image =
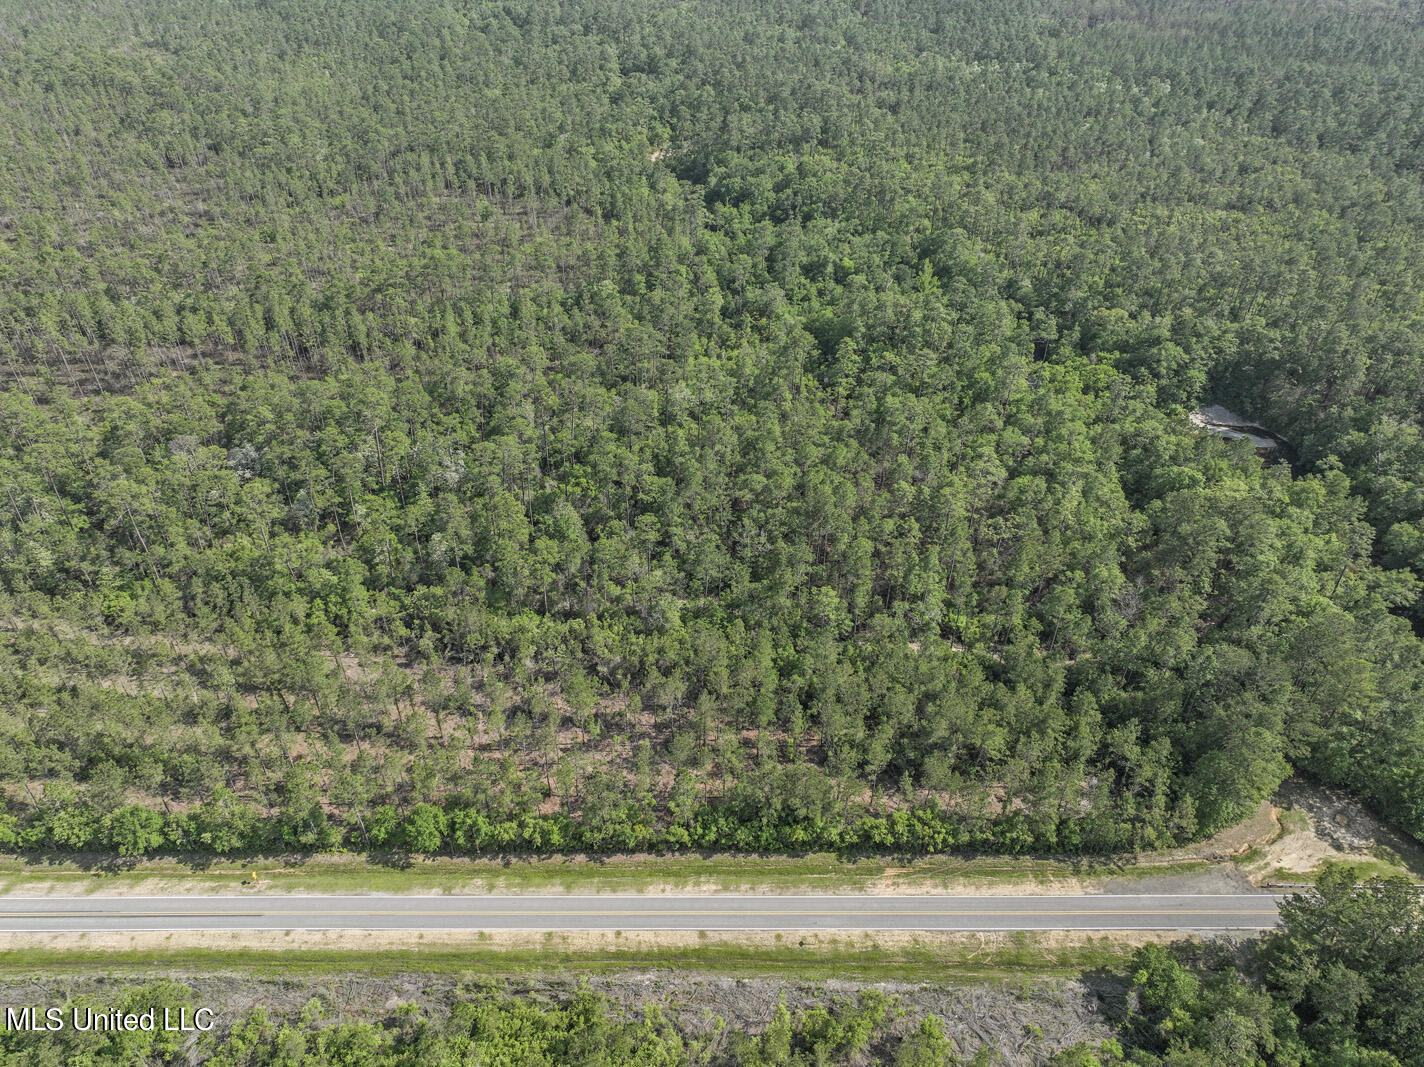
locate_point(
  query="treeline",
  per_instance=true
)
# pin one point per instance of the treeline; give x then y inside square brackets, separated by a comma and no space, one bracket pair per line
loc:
[227,827]
[632,419]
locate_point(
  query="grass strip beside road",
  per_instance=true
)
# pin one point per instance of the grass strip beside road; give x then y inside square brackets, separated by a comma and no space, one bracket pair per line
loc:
[948,958]
[651,874]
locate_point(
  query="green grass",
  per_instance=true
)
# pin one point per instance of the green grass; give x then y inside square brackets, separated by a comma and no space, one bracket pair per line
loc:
[1252,856]
[1293,820]
[1022,957]
[348,874]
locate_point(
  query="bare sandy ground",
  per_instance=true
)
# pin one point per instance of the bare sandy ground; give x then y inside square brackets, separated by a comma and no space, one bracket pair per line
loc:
[1317,825]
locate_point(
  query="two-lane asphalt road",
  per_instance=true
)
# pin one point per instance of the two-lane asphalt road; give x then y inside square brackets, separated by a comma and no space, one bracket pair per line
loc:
[1242,911]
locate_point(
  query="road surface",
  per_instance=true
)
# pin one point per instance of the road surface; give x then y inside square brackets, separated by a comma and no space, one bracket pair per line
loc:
[258,911]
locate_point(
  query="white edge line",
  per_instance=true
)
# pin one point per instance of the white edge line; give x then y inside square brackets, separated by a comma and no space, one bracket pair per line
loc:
[652,929]
[866,897]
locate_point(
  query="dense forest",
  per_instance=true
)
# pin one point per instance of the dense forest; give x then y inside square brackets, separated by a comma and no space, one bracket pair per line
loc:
[609,424]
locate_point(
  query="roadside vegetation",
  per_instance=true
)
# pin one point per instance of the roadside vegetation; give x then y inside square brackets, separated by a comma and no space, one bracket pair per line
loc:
[494,1028]
[959,959]
[1339,984]
[666,874]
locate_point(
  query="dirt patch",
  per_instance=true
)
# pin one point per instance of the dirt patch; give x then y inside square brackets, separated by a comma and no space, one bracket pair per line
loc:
[1320,825]
[1254,832]
[1301,853]
[1343,822]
